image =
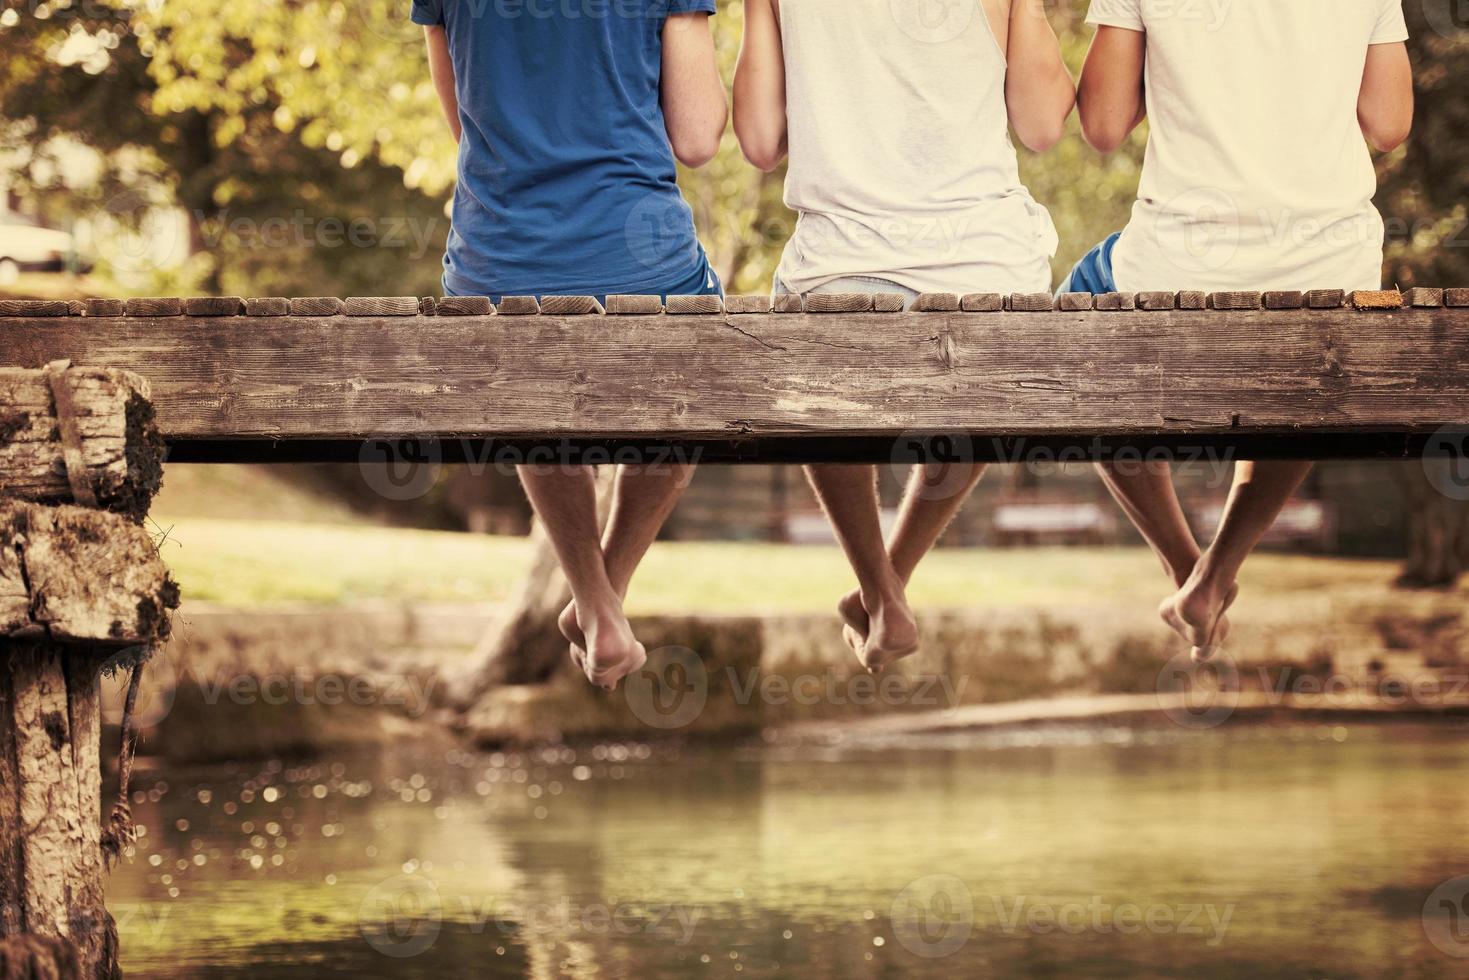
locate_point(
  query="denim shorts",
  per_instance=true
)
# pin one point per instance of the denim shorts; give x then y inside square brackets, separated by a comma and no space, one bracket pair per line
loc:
[853,284]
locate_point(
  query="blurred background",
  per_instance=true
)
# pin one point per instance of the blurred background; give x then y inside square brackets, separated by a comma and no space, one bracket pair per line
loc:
[365,752]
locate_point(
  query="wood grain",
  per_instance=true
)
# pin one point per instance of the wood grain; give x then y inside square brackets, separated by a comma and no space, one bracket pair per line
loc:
[1456,297]
[381,306]
[267,306]
[839,303]
[694,305]
[465,306]
[1283,299]
[746,305]
[1325,299]
[1074,302]
[982,303]
[519,306]
[1193,299]
[1423,297]
[623,305]
[787,303]
[1242,300]
[744,380]
[214,306]
[1154,301]
[1030,302]
[316,306]
[889,302]
[104,307]
[34,307]
[155,306]
[571,306]
[1116,302]
[936,303]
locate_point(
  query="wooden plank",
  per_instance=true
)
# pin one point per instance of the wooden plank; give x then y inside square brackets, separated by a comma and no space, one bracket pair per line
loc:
[1192,299]
[1325,299]
[1030,302]
[1377,299]
[787,303]
[1242,300]
[104,307]
[381,306]
[571,306]
[1424,298]
[34,307]
[889,302]
[428,306]
[1074,302]
[214,306]
[465,306]
[982,302]
[267,306]
[750,380]
[519,306]
[1154,301]
[936,303]
[694,305]
[746,305]
[316,306]
[1283,299]
[1116,302]
[839,303]
[622,305]
[155,306]
[1456,297]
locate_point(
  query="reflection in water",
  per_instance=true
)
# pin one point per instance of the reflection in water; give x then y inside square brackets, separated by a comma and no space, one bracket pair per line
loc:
[1300,850]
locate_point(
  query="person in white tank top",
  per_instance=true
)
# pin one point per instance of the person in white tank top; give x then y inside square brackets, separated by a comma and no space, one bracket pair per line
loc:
[1257,177]
[896,117]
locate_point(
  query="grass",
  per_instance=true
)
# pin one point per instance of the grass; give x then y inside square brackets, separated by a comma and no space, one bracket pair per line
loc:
[252,563]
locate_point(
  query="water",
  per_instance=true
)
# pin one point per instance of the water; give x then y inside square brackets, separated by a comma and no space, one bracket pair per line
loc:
[1265,851]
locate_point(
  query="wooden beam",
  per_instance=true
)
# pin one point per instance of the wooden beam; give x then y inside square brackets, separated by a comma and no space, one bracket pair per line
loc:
[831,385]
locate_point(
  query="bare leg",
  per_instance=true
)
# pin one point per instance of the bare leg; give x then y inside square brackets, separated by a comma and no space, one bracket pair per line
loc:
[565,499]
[849,495]
[643,499]
[934,494]
[1259,493]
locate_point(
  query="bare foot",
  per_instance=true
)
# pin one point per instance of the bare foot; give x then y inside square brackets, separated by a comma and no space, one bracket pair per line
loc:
[854,616]
[605,649]
[892,633]
[1196,612]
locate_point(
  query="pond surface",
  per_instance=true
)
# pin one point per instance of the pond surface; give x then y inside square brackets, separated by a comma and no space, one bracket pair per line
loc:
[1264,851]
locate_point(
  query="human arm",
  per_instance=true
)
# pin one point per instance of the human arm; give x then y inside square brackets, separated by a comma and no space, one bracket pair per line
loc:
[1385,104]
[441,69]
[1110,98]
[760,88]
[1039,91]
[694,105]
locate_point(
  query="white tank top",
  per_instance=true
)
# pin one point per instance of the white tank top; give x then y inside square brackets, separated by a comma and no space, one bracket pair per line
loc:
[901,165]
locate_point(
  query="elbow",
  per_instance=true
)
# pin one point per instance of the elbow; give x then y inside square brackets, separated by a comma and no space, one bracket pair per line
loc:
[1103,138]
[764,148]
[1387,135]
[695,151]
[1039,139]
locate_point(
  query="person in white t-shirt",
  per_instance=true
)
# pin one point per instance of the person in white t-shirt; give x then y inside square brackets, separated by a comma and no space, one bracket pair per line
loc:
[1257,177]
[896,117]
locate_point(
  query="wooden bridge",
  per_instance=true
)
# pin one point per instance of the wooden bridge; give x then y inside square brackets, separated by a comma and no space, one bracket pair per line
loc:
[1313,374]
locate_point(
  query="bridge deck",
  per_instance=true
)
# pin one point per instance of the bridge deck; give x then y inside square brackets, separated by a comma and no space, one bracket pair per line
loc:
[1333,382]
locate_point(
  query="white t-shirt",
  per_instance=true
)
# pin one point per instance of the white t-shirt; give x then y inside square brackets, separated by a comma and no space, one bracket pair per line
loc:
[1257,174]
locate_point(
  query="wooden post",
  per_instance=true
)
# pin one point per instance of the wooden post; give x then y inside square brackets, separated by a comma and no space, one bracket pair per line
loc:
[79,587]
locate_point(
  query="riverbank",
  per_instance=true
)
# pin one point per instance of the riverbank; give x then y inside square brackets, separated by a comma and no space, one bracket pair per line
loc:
[339,635]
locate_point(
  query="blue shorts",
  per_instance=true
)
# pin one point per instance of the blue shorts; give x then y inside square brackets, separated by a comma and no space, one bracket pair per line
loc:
[1093,274]
[703,282]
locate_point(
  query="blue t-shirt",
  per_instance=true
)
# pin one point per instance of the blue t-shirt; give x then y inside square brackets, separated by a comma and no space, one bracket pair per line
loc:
[566,177]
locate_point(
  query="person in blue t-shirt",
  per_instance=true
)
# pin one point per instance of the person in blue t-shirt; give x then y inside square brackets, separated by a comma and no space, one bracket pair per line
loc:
[570,115]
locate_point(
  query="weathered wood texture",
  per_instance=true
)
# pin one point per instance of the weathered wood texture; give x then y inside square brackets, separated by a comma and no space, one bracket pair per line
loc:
[121,448]
[743,380]
[50,814]
[79,576]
